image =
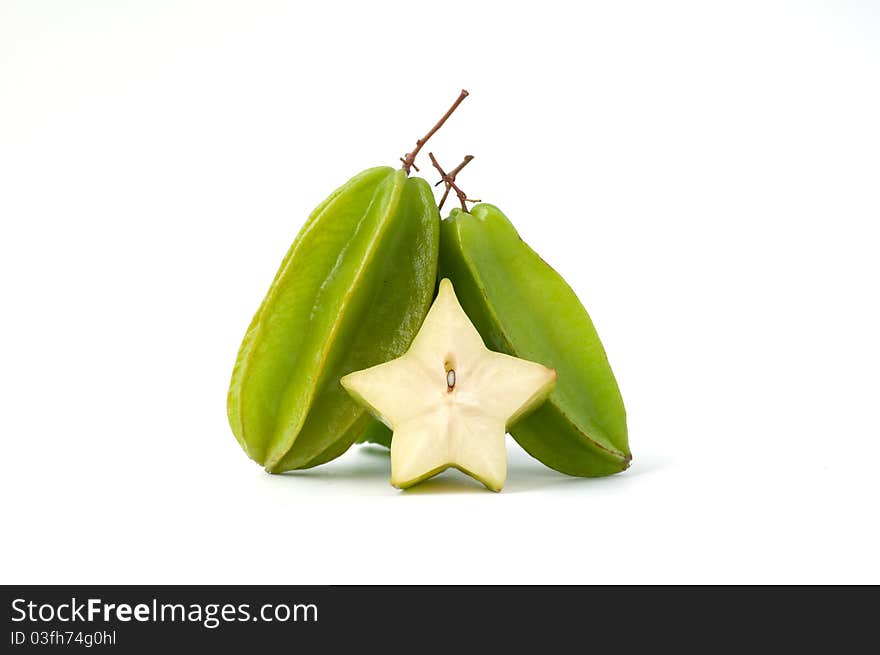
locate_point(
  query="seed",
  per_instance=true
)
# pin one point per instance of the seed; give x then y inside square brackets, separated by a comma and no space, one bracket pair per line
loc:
[450,379]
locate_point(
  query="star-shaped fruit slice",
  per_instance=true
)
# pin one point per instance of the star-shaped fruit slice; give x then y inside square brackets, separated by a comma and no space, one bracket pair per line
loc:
[449,399]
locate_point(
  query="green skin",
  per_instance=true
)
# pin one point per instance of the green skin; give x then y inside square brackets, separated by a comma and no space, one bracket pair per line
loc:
[376,433]
[351,293]
[524,308]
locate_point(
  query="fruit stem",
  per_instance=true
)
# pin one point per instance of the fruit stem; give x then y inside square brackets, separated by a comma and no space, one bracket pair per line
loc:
[449,179]
[410,157]
[455,171]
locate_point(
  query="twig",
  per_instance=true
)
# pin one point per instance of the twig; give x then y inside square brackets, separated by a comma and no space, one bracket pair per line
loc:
[410,157]
[449,179]
[455,171]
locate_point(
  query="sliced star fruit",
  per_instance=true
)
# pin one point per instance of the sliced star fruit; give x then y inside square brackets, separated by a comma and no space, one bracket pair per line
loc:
[449,400]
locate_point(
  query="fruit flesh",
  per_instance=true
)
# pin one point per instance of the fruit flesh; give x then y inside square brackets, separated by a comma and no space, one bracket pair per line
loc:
[449,399]
[521,306]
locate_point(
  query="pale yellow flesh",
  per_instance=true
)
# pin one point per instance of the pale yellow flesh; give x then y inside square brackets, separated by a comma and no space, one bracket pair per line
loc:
[437,427]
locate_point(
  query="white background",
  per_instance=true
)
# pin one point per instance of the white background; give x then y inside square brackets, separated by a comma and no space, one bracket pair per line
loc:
[706,176]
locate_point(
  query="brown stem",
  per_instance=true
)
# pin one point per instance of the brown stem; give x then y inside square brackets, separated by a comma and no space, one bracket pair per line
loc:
[455,171]
[410,157]
[449,179]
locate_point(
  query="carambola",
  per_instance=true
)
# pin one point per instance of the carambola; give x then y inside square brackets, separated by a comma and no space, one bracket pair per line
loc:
[351,293]
[522,307]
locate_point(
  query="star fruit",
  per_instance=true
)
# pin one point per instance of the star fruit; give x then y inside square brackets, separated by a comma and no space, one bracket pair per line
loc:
[450,400]
[581,429]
